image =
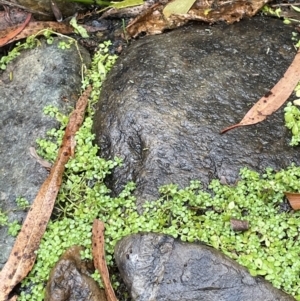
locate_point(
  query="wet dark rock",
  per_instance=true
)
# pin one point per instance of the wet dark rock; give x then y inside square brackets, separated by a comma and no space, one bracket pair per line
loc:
[168,97]
[157,267]
[70,281]
[42,76]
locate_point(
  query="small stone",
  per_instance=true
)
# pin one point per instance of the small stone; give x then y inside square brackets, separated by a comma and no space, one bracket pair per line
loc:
[239,225]
[70,281]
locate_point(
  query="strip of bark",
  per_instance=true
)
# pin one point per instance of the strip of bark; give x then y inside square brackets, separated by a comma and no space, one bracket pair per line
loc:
[23,254]
[98,250]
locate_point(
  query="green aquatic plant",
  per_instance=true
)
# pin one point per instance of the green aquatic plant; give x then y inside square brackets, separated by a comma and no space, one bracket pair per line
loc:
[16,51]
[292,118]
[192,214]
[32,42]
[13,226]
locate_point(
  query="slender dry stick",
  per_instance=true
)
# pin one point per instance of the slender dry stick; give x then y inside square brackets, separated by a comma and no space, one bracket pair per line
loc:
[99,258]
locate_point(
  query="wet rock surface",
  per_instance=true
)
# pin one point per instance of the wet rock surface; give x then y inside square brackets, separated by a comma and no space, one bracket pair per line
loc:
[42,76]
[166,100]
[70,281]
[157,267]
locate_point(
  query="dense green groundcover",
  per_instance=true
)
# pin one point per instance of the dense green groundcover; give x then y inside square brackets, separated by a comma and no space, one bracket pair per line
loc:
[271,246]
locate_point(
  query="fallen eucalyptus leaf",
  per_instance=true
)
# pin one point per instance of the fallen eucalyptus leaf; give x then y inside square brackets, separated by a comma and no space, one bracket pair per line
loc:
[36,28]
[274,99]
[178,7]
[295,8]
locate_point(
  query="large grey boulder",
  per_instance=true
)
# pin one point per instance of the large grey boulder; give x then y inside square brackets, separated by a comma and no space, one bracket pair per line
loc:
[167,98]
[158,267]
[41,76]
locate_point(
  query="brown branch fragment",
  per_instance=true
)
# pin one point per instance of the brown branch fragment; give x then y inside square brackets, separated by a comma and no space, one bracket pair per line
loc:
[56,11]
[99,258]
[23,254]
[239,225]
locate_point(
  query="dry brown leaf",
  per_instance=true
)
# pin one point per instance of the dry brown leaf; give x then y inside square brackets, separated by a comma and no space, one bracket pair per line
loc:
[274,99]
[13,33]
[153,21]
[22,256]
[150,21]
[35,27]
[178,7]
[98,250]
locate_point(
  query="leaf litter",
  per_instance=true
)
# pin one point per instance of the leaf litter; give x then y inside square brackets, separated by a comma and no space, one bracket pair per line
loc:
[171,14]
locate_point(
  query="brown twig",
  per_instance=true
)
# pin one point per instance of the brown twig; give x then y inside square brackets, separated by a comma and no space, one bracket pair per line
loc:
[99,258]
[56,11]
